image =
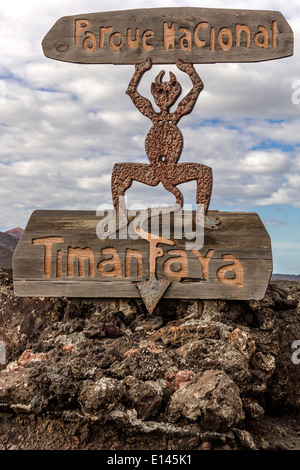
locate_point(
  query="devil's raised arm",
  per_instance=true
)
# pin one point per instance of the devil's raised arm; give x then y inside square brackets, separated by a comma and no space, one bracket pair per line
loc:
[187,104]
[142,104]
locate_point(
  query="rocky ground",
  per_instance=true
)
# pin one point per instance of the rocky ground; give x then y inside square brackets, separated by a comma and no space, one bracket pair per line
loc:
[103,374]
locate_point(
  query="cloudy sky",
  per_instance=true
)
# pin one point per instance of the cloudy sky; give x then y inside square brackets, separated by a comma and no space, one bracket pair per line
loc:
[63,126]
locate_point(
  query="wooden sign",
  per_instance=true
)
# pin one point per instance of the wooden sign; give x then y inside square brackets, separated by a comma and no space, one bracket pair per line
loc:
[60,255]
[197,35]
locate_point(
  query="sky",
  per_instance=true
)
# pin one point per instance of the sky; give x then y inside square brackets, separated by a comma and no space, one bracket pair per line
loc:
[63,126]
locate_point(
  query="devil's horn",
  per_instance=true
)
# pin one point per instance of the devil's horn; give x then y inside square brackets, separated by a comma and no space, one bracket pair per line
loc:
[172,78]
[159,77]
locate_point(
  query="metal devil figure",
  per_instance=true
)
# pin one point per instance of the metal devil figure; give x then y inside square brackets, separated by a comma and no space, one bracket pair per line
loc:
[168,252]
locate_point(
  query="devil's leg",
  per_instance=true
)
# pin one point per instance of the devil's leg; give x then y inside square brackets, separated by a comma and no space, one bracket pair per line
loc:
[204,185]
[169,186]
[120,182]
[124,174]
[122,177]
[184,172]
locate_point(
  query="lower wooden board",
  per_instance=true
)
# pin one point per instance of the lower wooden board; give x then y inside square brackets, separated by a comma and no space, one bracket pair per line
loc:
[60,255]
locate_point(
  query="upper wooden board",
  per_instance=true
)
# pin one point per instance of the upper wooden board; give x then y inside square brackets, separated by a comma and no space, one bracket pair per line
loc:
[197,35]
[60,255]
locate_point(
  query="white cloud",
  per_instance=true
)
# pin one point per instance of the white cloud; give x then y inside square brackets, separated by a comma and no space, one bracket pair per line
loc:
[265,162]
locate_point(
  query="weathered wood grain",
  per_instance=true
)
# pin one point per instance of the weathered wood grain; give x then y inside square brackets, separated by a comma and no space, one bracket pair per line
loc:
[60,255]
[198,35]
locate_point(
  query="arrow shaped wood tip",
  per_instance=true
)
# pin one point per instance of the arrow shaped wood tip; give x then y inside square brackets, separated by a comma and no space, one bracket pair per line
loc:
[152,291]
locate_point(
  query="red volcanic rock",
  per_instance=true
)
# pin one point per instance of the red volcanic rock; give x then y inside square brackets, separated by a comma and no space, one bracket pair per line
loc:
[182,377]
[26,358]
[94,374]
